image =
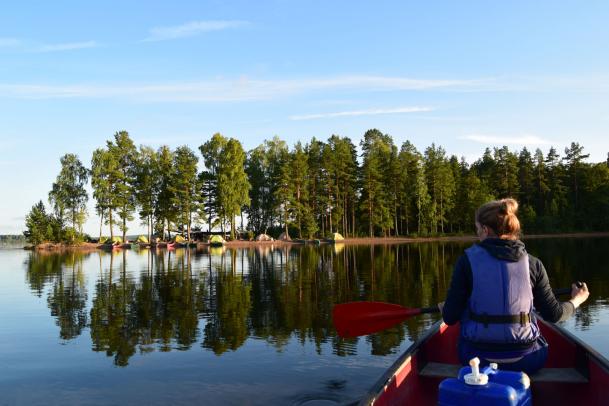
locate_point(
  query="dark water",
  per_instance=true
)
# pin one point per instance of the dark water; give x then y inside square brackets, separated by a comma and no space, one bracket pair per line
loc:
[233,326]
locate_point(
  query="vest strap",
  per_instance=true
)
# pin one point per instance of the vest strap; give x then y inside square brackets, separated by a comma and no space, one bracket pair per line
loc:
[486,319]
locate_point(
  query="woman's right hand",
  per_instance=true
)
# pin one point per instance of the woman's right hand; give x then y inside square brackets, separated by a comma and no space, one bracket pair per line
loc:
[579,294]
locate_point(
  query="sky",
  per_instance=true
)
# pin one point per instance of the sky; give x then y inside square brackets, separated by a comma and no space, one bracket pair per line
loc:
[463,75]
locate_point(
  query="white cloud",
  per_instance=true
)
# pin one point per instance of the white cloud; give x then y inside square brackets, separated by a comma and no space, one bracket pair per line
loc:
[68,46]
[223,90]
[9,42]
[190,29]
[370,112]
[507,139]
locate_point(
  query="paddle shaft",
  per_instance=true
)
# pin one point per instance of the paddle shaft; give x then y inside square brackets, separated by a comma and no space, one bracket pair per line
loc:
[362,318]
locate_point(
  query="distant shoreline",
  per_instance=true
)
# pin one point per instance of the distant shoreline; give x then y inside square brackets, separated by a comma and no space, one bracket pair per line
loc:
[346,241]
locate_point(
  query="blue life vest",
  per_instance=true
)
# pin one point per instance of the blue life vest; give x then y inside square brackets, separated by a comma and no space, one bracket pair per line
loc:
[499,309]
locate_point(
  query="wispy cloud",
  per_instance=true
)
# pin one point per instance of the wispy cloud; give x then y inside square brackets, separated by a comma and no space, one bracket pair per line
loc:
[242,89]
[9,42]
[191,29]
[507,139]
[370,112]
[70,46]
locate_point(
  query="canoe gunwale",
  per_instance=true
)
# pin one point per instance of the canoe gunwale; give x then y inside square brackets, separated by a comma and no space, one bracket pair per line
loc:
[403,360]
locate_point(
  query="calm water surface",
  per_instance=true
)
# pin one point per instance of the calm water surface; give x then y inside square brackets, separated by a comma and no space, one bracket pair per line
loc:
[233,326]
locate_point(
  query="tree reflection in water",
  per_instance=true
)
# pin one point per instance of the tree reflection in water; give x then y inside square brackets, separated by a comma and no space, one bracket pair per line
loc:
[157,300]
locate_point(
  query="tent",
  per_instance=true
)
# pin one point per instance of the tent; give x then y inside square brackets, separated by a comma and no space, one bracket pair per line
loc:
[114,240]
[216,240]
[284,237]
[264,237]
[143,239]
[337,237]
[179,239]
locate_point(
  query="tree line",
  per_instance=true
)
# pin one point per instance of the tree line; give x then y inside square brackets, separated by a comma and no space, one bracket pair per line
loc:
[319,188]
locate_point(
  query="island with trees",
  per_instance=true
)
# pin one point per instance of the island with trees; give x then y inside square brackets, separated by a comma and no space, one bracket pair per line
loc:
[315,190]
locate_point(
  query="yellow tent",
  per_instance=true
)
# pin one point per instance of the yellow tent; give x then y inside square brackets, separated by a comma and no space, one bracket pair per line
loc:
[337,237]
[142,239]
[114,240]
[179,239]
[216,240]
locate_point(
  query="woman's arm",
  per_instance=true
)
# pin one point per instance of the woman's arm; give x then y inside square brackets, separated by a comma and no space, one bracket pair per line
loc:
[543,297]
[459,291]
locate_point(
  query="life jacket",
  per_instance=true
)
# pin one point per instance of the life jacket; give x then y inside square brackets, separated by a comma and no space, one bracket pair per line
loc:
[499,310]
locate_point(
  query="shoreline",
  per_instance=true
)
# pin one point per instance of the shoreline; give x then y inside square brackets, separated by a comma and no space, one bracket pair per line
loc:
[346,241]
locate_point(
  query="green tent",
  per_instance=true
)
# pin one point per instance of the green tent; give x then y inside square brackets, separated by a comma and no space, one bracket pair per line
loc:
[142,239]
[216,240]
[114,240]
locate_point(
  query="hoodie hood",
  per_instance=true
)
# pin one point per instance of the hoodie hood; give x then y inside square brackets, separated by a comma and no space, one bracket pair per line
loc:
[507,250]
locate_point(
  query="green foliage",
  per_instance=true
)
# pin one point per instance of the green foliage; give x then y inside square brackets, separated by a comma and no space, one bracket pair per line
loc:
[123,175]
[68,195]
[39,224]
[320,188]
[184,186]
[376,202]
[208,179]
[233,184]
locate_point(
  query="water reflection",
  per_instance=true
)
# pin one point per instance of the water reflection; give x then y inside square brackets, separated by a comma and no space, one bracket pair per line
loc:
[68,296]
[216,299]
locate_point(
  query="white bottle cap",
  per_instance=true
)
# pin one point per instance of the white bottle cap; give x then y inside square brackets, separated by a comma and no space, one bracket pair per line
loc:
[475,378]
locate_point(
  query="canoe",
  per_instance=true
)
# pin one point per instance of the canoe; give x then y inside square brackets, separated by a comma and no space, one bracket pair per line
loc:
[574,374]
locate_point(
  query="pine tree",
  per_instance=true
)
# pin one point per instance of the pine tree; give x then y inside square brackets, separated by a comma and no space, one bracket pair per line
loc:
[124,153]
[505,173]
[39,225]
[409,159]
[440,184]
[557,196]
[102,165]
[233,185]
[541,186]
[574,157]
[184,185]
[164,211]
[147,185]
[212,154]
[375,207]
[526,197]
[68,195]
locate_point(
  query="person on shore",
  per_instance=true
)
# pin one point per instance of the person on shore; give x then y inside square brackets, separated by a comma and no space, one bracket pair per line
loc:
[495,286]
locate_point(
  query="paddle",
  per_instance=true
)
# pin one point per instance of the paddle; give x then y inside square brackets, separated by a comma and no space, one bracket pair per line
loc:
[361,318]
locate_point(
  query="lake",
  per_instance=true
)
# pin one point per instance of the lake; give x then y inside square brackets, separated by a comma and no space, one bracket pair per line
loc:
[234,326]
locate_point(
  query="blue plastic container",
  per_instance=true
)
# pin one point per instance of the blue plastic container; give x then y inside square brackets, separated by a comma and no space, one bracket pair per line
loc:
[504,388]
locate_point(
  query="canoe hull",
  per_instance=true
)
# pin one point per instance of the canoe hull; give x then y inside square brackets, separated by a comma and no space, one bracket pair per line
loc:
[407,381]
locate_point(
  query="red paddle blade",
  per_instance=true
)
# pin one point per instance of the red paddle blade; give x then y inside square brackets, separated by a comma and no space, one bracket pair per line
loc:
[361,318]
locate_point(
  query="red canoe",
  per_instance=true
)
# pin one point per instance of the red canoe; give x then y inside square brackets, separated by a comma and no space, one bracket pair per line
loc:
[574,374]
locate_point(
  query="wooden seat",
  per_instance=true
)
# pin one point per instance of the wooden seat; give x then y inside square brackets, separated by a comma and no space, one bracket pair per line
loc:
[562,375]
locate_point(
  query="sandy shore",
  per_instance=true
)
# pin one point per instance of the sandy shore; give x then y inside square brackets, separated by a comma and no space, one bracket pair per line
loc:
[346,241]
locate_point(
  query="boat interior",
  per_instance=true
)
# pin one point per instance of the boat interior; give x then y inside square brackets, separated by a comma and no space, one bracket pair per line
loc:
[574,373]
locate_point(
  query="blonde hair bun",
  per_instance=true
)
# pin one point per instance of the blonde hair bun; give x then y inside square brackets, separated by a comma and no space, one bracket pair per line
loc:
[500,216]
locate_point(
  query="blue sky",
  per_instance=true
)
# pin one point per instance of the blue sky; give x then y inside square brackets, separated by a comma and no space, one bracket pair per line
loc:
[464,75]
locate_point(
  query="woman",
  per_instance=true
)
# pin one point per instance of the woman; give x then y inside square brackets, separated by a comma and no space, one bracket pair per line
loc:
[494,289]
